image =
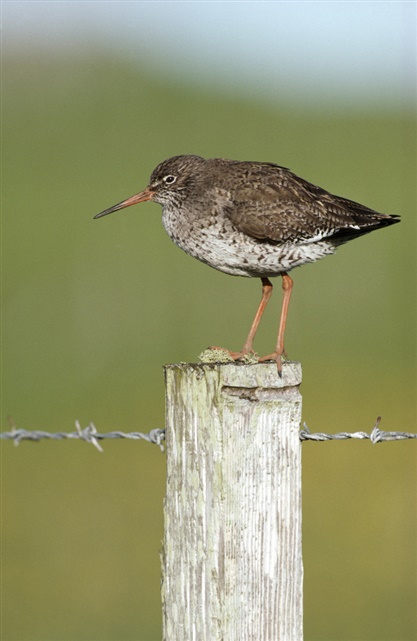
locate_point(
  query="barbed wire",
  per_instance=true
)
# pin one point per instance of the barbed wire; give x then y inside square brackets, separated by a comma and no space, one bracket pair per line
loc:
[88,434]
[376,436]
[157,436]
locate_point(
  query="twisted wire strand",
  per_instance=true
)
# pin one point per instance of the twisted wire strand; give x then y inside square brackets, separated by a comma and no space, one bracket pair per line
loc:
[376,436]
[90,434]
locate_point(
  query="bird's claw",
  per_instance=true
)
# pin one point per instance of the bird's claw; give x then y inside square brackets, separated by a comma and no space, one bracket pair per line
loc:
[245,355]
[277,357]
[249,356]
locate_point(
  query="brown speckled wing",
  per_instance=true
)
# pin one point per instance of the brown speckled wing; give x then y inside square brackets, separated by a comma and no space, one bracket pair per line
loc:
[278,206]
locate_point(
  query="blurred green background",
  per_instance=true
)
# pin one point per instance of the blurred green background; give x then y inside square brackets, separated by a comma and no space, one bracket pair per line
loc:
[93,309]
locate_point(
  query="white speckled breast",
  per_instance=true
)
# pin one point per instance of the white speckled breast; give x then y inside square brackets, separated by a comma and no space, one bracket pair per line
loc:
[219,244]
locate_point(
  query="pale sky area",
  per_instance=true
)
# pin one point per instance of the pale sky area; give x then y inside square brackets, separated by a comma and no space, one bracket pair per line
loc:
[326,50]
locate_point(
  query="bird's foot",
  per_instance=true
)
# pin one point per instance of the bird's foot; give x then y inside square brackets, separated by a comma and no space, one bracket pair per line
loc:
[223,355]
[248,356]
[277,357]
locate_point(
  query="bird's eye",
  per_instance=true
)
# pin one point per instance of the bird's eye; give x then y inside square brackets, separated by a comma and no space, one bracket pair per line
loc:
[169,180]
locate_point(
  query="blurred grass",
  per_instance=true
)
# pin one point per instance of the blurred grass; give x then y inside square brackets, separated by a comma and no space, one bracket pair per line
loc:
[92,310]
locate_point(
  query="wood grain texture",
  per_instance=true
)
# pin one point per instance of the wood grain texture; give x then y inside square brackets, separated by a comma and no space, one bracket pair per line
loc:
[232,562]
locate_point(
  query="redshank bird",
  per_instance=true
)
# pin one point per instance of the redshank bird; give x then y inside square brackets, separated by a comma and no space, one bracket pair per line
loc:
[252,219]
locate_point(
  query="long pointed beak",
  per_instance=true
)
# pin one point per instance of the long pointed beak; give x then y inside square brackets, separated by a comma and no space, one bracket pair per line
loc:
[141,197]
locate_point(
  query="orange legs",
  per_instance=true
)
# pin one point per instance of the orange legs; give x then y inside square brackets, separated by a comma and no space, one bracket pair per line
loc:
[266,295]
[279,349]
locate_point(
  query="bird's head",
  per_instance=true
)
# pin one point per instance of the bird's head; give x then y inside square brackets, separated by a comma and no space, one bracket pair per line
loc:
[169,184]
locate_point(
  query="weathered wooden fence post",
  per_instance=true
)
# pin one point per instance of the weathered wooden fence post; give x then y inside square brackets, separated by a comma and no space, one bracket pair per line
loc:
[232,561]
